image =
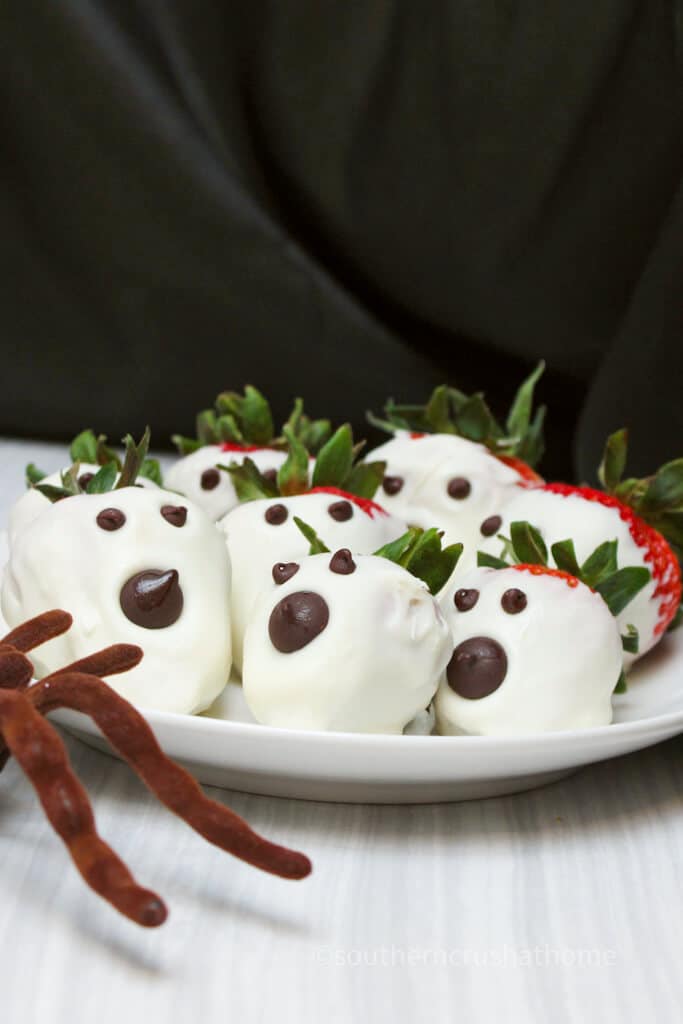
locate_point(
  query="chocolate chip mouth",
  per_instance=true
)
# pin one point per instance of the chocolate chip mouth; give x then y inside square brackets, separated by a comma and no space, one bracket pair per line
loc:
[477,668]
[152,599]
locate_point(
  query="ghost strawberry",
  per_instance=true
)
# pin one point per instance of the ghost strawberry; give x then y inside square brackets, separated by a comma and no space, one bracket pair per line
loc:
[241,426]
[645,517]
[350,643]
[452,464]
[262,530]
[131,565]
[536,649]
[89,454]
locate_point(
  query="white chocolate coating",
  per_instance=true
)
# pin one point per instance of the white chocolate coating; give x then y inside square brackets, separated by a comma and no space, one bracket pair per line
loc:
[185,475]
[588,524]
[426,465]
[32,503]
[255,545]
[373,668]
[563,652]
[63,559]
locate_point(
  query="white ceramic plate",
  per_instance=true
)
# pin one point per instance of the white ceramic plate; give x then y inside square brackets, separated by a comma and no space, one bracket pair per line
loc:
[226,748]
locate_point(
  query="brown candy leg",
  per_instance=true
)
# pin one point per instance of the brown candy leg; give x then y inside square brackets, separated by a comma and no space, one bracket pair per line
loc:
[15,674]
[43,757]
[129,733]
[108,662]
[39,630]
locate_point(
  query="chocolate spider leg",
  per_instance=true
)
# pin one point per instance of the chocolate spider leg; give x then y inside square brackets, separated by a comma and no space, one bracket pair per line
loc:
[39,630]
[129,733]
[108,662]
[15,675]
[41,754]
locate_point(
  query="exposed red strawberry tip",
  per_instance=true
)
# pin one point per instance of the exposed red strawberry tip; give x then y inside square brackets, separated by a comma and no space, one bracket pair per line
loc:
[231,446]
[371,508]
[663,563]
[544,570]
[521,467]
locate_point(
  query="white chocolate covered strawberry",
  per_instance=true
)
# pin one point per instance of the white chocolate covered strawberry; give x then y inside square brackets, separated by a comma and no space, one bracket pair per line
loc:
[629,522]
[241,427]
[260,533]
[131,565]
[90,453]
[535,650]
[450,464]
[342,642]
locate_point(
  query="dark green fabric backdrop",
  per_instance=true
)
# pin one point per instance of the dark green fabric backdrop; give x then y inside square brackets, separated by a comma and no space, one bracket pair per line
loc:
[345,200]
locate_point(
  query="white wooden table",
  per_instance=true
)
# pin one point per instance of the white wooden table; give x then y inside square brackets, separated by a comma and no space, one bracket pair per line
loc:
[562,904]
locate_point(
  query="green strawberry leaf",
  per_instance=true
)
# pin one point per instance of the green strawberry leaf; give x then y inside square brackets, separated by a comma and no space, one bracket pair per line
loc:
[613,462]
[249,483]
[33,475]
[528,545]
[104,454]
[630,640]
[52,492]
[292,476]
[565,558]
[151,470]
[84,447]
[487,561]
[619,589]
[665,490]
[438,411]
[335,459]
[317,547]
[227,431]
[519,417]
[365,478]
[206,427]
[475,421]
[257,419]
[622,685]
[600,565]
[397,550]
[135,456]
[186,445]
[421,554]
[103,480]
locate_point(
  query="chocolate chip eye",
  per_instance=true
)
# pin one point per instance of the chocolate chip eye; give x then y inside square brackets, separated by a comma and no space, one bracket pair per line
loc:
[296,620]
[152,599]
[464,600]
[284,571]
[110,519]
[176,515]
[491,525]
[342,562]
[478,667]
[270,475]
[459,488]
[84,479]
[341,511]
[210,479]
[513,601]
[276,514]
[392,484]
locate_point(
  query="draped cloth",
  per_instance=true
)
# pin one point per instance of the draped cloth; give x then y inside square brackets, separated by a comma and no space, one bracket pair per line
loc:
[344,201]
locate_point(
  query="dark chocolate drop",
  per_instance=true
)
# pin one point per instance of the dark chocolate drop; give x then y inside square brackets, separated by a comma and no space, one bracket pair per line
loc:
[276,514]
[210,479]
[342,562]
[478,667]
[459,488]
[284,571]
[176,515]
[84,479]
[341,511]
[491,525]
[110,519]
[464,600]
[296,620]
[152,598]
[513,601]
[392,484]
